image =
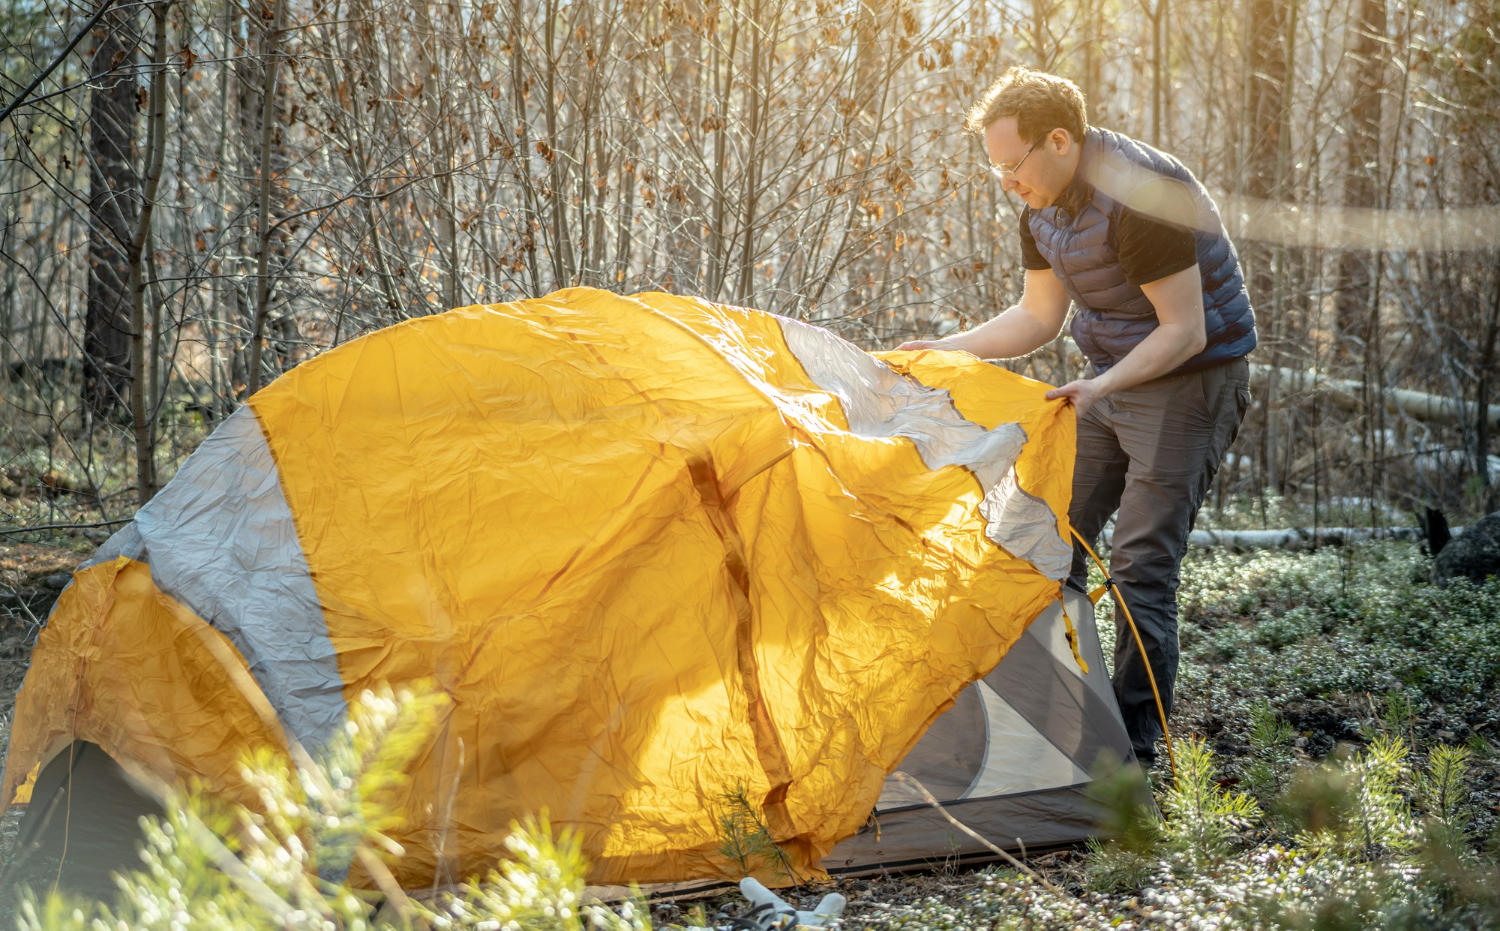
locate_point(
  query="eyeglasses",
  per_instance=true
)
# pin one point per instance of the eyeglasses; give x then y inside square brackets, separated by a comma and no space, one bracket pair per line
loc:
[1006,174]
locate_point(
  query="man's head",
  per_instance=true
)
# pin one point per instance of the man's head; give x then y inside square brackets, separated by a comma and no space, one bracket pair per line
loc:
[1032,125]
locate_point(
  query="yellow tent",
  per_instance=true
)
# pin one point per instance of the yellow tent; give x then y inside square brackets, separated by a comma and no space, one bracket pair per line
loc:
[654,549]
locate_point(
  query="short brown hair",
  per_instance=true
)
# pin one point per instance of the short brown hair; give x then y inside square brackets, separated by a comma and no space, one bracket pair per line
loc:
[1040,102]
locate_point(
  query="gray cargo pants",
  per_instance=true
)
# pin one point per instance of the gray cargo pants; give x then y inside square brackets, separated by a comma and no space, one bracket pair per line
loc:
[1150,453]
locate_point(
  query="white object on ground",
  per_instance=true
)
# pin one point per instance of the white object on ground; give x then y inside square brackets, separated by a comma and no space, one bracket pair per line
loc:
[776,912]
[771,912]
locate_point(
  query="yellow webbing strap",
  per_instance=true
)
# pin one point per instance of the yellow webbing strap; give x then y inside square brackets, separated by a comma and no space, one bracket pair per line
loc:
[1109,583]
[1072,634]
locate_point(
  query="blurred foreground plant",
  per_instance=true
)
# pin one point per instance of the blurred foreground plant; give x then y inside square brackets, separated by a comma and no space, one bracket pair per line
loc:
[284,863]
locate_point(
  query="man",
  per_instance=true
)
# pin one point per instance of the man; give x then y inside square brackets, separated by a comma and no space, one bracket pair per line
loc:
[1128,235]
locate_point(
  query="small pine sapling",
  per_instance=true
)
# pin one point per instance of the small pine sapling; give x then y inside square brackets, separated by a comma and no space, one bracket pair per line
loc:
[1442,791]
[1354,807]
[1385,819]
[1271,756]
[1400,717]
[745,840]
[1203,819]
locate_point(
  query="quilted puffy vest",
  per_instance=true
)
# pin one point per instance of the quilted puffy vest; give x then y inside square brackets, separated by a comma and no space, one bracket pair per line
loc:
[1076,236]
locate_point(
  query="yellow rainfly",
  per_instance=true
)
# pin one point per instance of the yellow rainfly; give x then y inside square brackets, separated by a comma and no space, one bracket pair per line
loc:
[640,543]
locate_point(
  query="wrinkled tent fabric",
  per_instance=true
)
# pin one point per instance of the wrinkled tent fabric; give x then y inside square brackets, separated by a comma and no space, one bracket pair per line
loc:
[1013,759]
[655,549]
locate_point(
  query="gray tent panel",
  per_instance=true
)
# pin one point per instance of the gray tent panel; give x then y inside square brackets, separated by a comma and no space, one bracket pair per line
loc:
[1059,703]
[1018,758]
[220,539]
[85,806]
[1053,637]
[921,838]
[1012,758]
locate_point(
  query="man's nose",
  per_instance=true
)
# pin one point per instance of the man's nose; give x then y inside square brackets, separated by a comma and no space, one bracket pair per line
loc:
[1007,184]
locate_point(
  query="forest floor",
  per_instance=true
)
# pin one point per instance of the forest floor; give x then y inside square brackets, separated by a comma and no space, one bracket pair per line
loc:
[1347,706]
[1296,667]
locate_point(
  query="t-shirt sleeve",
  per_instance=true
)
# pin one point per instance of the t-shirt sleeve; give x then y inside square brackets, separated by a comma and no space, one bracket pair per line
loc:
[1031,256]
[1152,234]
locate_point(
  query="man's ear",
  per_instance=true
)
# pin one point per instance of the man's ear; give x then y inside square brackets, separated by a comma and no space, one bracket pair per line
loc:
[1063,141]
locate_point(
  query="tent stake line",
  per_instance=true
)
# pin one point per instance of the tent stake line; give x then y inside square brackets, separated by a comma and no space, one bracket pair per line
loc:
[938,807]
[1109,583]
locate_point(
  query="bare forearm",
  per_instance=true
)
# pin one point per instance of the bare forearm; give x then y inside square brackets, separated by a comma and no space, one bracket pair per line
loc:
[1164,349]
[1021,329]
[1016,332]
[1178,299]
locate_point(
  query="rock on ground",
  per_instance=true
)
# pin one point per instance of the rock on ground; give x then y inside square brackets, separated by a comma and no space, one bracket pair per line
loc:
[1474,554]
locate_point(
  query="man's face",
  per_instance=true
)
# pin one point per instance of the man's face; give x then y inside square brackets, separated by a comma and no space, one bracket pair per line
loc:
[1039,177]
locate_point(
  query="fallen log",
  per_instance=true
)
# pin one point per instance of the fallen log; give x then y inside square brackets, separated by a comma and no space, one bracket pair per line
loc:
[1346,393]
[1294,538]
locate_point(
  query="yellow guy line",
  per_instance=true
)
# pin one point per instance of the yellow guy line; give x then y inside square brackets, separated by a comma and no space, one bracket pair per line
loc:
[1109,583]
